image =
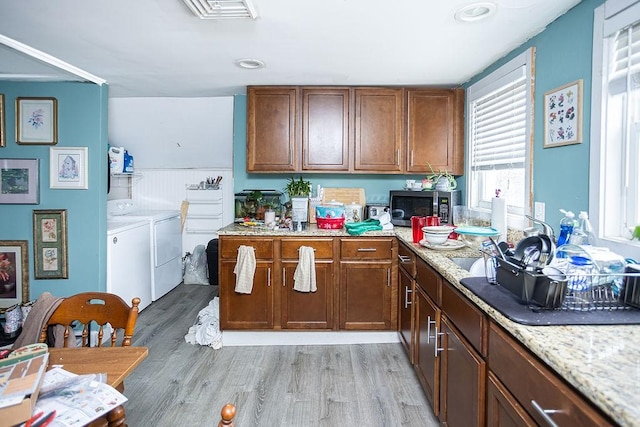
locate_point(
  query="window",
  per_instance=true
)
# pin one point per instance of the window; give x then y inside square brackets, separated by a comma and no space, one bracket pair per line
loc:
[615,131]
[499,110]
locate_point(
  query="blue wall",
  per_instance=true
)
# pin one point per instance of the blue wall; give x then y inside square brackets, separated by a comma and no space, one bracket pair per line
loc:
[82,122]
[563,55]
[560,174]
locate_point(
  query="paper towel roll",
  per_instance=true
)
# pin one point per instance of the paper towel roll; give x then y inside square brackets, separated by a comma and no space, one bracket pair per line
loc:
[499,216]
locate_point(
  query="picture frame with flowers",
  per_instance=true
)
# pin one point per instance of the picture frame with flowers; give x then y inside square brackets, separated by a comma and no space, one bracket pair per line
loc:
[37,121]
[50,244]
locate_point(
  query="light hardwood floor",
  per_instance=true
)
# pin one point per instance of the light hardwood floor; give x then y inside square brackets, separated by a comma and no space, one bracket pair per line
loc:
[180,384]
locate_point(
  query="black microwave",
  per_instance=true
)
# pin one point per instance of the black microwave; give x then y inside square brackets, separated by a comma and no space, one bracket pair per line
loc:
[405,204]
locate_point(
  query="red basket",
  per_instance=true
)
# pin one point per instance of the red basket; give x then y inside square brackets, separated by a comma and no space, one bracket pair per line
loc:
[330,223]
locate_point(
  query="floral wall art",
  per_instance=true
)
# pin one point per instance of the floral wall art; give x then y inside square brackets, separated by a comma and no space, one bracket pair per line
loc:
[563,115]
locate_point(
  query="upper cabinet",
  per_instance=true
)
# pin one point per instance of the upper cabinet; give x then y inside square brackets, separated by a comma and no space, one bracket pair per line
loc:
[435,130]
[354,129]
[272,129]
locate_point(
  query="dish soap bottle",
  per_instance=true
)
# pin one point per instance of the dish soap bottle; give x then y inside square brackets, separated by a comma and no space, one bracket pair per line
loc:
[566,227]
[583,235]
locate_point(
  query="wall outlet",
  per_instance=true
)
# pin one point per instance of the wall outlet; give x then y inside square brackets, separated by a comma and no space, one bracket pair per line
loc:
[538,211]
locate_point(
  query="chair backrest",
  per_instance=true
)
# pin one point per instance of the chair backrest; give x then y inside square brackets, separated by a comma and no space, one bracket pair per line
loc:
[98,307]
[227,414]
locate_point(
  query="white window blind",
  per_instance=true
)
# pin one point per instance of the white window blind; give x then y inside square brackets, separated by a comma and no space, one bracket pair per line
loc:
[499,128]
[624,73]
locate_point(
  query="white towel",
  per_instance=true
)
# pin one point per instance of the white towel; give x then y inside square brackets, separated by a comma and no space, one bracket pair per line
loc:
[305,274]
[245,269]
[206,330]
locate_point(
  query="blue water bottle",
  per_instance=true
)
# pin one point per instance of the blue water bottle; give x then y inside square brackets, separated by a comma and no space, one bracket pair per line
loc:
[566,227]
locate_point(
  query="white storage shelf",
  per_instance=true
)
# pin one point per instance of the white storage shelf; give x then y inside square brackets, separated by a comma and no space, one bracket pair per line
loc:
[204,217]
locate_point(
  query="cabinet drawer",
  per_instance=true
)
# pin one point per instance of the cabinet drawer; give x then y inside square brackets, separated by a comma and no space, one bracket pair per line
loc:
[205,209]
[407,259]
[530,381]
[467,318]
[428,280]
[204,195]
[366,248]
[322,249]
[229,247]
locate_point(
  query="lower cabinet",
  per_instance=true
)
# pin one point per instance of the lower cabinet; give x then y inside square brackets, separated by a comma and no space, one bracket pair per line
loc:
[503,410]
[405,310]
[426,362]
[246,311]
[307,310]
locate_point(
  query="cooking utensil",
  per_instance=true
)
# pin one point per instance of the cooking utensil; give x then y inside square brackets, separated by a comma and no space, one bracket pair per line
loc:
[498,248]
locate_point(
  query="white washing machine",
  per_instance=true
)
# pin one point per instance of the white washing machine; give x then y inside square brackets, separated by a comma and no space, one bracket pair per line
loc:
[165,261]
[128,253]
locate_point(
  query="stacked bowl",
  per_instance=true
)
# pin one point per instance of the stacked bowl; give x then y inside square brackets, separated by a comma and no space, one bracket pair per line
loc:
[436,234]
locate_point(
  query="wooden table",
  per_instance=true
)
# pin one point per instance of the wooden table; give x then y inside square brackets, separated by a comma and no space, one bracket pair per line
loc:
[117,362]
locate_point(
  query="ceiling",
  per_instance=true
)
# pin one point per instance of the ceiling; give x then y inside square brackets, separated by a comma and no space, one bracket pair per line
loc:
[159,48]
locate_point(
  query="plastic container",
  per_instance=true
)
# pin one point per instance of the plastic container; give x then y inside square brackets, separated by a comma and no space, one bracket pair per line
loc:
[566,227]
[330,223]
[580,271]
[583,234]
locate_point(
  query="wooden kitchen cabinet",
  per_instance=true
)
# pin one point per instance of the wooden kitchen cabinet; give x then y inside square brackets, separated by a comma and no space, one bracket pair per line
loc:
[246,311]
[425,361]
[462,379]
[406,290]
[503,410]
[273,129]
[308,310]
[379,130]
[326,129]
[368,284]
[535,387]
[435,130]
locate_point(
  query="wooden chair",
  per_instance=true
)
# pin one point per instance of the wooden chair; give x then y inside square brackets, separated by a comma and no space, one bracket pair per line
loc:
[98,307]
[228,413]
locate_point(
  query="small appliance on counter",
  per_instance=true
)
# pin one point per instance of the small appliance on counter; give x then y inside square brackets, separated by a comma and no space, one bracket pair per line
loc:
[374,211]
[405,204]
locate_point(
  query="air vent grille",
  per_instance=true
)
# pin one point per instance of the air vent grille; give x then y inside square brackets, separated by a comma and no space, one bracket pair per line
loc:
[222,9]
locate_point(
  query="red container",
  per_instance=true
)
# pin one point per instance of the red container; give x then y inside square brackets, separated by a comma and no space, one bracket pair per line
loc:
[330,223]
[417,222]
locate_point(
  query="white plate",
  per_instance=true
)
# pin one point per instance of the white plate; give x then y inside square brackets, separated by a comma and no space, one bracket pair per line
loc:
[477,268]
[449,245]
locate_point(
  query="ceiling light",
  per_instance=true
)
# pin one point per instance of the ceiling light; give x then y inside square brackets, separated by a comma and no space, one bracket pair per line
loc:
[250,64]
[222,9]
[475,11]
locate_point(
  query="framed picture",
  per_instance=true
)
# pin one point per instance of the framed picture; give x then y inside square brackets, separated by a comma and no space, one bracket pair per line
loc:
[37,121]
[14,272]
[2,131]
[50,244]
[68,168]
[563,115]
[19,182]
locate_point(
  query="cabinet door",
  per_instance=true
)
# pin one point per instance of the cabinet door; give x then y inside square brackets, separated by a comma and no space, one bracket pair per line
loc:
[463,374]
[325,129]
[503,410]
[426,363]
[272,129]
[365,296]
[404,311]
[307,310]
[435,134]
[379,128]
[246,311]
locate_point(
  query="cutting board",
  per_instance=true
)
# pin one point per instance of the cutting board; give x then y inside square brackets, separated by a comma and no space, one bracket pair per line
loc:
[345,195]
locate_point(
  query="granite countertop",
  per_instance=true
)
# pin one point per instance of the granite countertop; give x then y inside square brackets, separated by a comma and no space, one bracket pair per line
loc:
[602,362]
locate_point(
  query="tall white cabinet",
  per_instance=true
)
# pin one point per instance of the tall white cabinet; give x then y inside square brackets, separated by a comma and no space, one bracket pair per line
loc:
[204,217]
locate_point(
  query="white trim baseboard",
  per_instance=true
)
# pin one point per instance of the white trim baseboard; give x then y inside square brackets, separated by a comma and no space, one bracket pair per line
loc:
[259,338]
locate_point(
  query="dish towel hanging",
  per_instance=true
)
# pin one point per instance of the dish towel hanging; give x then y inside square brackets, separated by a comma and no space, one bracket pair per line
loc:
[245,269]
[305,275]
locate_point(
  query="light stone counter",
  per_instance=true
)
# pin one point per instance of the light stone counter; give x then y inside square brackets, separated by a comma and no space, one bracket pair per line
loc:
[602,362]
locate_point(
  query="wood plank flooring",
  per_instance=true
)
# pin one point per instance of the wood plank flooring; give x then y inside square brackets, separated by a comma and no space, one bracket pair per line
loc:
[180,384]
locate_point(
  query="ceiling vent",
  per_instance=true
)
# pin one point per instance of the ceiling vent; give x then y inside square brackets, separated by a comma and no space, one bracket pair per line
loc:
[222,9]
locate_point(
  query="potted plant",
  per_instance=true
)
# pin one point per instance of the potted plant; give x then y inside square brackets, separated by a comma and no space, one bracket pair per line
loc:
[441,180]
[299,191]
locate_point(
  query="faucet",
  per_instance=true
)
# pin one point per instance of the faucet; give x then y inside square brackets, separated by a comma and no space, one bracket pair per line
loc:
[547,229]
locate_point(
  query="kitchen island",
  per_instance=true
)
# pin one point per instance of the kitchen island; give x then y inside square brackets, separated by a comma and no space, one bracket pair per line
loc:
[601,362]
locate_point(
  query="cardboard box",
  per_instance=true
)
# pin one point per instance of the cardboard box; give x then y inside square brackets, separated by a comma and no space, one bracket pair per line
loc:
[22,409]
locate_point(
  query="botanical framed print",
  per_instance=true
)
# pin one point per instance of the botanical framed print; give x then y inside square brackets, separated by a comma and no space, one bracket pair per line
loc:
[68,168]
[563,115]
[37,121]
[50,244]
[19,183]
[14,272]
[2,131]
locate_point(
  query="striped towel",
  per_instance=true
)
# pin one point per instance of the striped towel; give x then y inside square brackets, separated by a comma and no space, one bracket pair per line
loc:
[305,274]
[245,269]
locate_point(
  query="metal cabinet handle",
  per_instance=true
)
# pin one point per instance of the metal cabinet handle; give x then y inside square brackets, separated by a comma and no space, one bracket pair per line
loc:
[403,259]
[544,413]
[411,163]
[429,322]
[407,291]
[269,277]
[388,277]
[284,278]
[436,349]
[366,249]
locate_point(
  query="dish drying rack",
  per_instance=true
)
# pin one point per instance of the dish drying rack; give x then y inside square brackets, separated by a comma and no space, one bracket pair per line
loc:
[577,292]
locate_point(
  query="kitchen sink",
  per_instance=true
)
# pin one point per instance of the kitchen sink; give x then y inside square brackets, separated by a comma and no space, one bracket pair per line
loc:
[464,262]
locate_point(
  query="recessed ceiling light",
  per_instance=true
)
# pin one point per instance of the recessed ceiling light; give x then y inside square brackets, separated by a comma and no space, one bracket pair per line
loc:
[475,11]
[250,64]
